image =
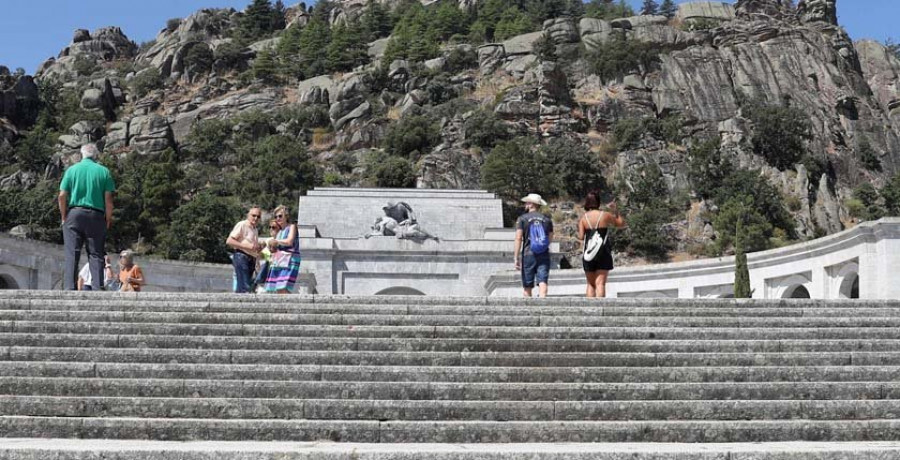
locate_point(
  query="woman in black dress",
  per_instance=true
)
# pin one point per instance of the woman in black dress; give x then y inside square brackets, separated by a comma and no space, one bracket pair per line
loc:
[594,220]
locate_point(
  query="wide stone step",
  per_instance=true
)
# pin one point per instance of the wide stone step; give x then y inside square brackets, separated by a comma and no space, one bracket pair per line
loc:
[447,391]
[412,309]
[454,332]
[441,344]
[449,373]
[429,358]
[428,410]
[446,320]
[78,449]
[448,431]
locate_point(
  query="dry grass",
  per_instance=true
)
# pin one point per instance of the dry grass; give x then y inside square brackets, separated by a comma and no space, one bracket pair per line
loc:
[322,139]
[488,88]
[393,113]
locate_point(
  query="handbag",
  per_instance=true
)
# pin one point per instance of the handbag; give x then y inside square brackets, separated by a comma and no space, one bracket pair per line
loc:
[281,259]
[593,244]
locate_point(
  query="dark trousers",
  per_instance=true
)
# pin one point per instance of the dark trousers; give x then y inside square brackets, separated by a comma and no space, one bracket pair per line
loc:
[243,271]
[84,227]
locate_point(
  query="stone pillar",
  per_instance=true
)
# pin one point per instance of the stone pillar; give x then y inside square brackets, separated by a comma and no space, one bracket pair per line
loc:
[818,287]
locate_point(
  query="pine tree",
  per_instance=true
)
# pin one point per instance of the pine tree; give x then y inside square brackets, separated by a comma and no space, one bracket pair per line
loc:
[650,7]
[256,22]
[741,270]
[279,19]
[668,9]
[347,48]
[264,67]
[313,47]
[376,21]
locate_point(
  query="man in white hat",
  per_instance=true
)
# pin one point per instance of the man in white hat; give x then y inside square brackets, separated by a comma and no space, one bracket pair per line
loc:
[534,232]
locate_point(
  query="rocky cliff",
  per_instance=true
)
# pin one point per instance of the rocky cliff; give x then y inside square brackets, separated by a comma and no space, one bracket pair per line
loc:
[708,61]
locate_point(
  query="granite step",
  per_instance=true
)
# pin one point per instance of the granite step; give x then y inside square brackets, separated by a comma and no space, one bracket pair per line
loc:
[136,306]
[447,320]
[430,410]
[369,431]
[449,374]
[78,449]
[436,358]
[441,344]
[454,332]
[448,391]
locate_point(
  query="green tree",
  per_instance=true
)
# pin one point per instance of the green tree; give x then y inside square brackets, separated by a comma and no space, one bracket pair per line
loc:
[199,59]
[649,209]
[35,208]
[620,56]
[230,56]
[512,23]
[279,167]
[577,169]
[707,168]
[391,172]
[197,229]
[607,9]
[780,133]
[34,150]
[208,140]
[484,129]
[650,7]
[741,269]
[376,21]
[347,49]
[313,48]
[146,81]
[257,21]
[755,228]
[668,8]
[868,157]
[891,194]
[515,168]
[264,67]
[448,20]
[869,197]
[413,38]
[412,136]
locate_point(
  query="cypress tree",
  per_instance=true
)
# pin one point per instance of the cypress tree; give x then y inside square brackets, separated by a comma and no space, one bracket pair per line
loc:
[741,270]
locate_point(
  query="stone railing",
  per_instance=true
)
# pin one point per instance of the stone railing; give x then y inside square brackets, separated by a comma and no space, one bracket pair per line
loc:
[856,262]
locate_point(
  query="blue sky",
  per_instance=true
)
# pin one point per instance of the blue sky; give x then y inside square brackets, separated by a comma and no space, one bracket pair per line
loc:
[33,30]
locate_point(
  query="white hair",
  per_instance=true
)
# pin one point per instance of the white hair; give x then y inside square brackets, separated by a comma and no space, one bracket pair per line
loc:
[89,151]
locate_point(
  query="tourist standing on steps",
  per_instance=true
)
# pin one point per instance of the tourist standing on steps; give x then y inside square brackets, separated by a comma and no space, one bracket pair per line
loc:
[534,232]
[244,239]
[86,207]
[130,275]
[597,250]
[285,264]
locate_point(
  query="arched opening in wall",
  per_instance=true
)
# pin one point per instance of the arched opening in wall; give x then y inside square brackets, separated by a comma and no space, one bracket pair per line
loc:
[400,291]
[797,292]
[849,287]
[7,282]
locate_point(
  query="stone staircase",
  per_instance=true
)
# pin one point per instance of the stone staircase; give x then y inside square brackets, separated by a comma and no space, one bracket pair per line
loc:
[414,377]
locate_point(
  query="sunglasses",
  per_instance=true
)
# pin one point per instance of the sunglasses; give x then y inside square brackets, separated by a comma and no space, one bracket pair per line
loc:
[273,227]
[279,216]
[256,215]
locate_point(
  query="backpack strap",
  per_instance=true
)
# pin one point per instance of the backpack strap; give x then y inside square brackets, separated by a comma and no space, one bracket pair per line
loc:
[593,227]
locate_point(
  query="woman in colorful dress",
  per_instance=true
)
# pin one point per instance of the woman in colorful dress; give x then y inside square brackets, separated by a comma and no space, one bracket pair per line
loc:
[285,265]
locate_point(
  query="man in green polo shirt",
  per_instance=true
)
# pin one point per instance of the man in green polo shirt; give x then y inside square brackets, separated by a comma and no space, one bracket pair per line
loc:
[86,206]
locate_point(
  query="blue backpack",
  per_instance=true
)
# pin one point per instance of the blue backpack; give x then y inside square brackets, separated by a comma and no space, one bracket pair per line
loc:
[537,236]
